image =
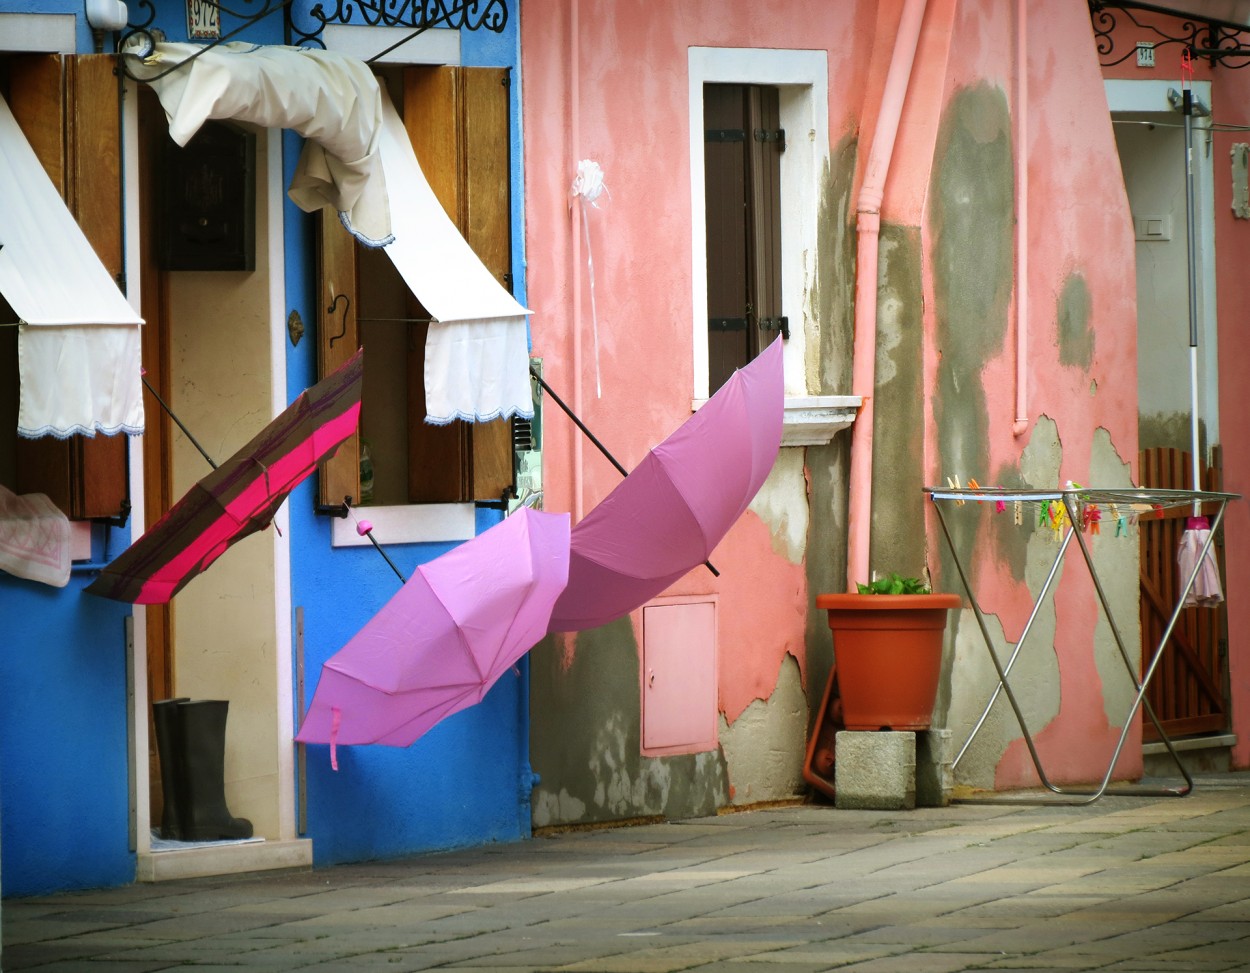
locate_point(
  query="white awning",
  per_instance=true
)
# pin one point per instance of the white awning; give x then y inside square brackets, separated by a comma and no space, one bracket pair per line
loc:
[78,338]
[330,99]
[477,349]
[360,161]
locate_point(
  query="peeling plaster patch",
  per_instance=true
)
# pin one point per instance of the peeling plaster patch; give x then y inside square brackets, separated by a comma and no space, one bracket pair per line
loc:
[898,531]
[831,296]
[891,314]
[1041,459]
[1076,334]
[971,679]
[552,808]
[782,505]
[971,214]
[1166,429]
[764,748]
[585,737]
[1119,566]
[825,567]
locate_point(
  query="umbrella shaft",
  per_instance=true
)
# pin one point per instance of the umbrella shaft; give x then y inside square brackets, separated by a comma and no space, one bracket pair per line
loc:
[186,432]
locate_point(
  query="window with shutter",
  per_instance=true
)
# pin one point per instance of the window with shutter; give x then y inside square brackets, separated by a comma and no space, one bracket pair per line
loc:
[457,120]
[69,110]
[743,142]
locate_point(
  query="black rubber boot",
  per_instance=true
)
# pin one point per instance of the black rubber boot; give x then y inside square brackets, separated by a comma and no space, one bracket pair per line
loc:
[205,816]
[168,751]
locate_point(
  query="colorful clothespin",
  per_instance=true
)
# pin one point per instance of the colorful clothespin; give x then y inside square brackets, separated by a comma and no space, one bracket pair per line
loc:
[1091,516]
[953,483]
[974,485]
[1000,505]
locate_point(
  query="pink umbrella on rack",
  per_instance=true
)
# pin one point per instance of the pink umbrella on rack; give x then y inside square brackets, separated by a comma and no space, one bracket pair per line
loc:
[457,624]
[666,517]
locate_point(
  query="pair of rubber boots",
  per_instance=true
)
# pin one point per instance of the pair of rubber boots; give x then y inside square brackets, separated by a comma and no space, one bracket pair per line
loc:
[191,744]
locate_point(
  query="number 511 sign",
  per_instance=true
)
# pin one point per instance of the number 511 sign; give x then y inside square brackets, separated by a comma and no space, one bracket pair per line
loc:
[203,19]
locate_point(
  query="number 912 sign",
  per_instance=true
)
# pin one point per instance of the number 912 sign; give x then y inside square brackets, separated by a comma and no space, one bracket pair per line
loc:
[203,20]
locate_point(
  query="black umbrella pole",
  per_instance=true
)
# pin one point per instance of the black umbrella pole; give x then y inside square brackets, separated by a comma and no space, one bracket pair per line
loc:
[594,439]
[170,412]
[578,422]
[373,540]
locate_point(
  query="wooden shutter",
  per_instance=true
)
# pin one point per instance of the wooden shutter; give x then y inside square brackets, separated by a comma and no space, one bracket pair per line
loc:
[742,191]
[457,120]
[338,337]
[69,110]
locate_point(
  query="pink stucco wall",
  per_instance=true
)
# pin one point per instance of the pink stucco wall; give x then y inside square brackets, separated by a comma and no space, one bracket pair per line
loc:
[616,92]
[608,82]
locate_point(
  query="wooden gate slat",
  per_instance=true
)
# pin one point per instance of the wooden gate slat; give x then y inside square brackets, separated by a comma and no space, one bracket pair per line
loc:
[1187,692]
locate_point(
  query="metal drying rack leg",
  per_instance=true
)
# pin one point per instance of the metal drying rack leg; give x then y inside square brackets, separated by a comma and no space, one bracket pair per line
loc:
[1067,796]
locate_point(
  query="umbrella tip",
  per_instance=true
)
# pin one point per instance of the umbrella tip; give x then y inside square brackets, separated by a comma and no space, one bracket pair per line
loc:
[363,527]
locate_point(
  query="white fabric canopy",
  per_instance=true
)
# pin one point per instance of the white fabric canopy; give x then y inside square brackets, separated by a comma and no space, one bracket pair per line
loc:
[78,341]
[331,99]
[360,161]
[477,349]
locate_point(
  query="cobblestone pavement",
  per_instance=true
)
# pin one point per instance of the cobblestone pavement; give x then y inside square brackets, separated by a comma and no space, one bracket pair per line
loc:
[1126,884]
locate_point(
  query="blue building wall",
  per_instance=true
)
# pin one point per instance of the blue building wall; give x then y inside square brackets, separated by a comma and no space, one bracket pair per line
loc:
[64,774]
[468,780]
[64,765]
[64,782]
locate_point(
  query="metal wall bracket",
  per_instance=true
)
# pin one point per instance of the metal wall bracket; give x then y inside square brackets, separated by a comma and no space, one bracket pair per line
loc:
[1222,42]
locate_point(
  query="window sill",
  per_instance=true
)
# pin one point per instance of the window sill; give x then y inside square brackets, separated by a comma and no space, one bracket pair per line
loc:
[813,420]
[408,524]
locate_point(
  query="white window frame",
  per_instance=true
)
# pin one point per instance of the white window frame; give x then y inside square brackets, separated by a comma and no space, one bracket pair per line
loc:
[802,78]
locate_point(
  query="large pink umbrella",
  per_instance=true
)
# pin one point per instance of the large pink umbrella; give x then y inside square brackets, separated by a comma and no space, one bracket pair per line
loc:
[460,621]
[666,517]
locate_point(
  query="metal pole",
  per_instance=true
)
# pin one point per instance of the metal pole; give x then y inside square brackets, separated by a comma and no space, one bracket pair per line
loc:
[591,436]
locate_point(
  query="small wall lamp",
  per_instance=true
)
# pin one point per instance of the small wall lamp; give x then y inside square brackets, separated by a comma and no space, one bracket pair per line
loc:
[104,16]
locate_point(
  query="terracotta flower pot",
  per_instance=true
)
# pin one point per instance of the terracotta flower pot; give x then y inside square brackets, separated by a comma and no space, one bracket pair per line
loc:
[887,650]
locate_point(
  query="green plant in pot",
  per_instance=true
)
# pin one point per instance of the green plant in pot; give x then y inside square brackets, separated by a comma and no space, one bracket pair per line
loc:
[887,651]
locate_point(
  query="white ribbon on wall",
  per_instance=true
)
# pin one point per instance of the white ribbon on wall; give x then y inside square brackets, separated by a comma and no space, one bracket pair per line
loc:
[587,188]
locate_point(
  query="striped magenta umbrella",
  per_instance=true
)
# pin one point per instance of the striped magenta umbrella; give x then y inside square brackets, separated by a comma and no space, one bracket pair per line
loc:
[240,496]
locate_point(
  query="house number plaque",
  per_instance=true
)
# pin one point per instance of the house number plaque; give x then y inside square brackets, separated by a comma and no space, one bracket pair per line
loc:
[203,20]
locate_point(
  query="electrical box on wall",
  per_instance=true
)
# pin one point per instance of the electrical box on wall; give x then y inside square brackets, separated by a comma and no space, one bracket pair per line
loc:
[208,201]
[679,676]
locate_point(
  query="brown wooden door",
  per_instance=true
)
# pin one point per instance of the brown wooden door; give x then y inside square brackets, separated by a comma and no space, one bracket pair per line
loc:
[1188,690]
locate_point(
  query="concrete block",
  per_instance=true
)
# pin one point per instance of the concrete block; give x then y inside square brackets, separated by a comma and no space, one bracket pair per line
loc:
[875,770]
[935,780]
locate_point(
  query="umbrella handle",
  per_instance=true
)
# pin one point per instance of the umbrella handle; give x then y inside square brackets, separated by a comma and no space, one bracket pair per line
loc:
[365,529]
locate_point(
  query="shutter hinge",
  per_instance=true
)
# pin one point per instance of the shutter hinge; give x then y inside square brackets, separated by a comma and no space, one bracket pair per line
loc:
[781,324]
[777,135]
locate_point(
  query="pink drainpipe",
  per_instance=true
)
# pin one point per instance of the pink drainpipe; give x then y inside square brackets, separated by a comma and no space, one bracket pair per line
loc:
[1021,425]
[868,224]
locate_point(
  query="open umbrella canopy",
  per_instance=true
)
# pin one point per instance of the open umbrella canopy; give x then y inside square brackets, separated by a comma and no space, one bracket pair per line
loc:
[666,517]
[241,496]
[460,621]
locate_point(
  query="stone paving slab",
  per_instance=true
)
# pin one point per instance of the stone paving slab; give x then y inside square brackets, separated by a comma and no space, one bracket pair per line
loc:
[1131,885]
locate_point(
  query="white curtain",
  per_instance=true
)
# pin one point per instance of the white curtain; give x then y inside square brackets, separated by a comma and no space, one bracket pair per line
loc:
[477,349]
[78,340]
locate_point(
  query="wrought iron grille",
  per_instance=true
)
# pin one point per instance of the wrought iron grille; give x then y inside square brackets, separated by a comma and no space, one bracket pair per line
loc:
[1218,41]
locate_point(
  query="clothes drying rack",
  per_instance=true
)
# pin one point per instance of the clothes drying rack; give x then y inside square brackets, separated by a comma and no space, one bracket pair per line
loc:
[1071,511]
